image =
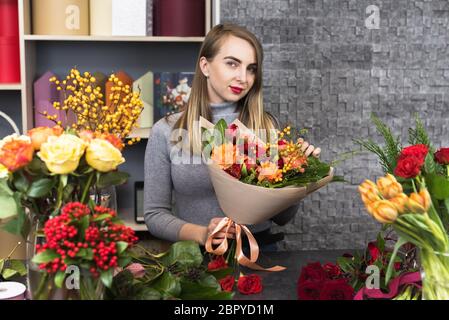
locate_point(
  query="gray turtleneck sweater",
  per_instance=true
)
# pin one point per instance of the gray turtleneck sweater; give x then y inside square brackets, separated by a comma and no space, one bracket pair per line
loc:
[178,193]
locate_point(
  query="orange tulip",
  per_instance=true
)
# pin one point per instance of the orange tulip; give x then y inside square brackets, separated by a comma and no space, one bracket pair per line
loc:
[39,135]
[419,202]
[384,211]
[400,202]
[388,186]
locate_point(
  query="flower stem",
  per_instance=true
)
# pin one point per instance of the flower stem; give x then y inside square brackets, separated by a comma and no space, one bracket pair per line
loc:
[87,187]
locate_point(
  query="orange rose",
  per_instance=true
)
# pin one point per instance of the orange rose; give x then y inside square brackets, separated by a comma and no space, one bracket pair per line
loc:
[113,139]
[86,135]
[40,135]
[16,152]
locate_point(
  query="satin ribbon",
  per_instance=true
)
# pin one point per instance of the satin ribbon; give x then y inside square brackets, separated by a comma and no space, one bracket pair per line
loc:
[240,256]
[408,278]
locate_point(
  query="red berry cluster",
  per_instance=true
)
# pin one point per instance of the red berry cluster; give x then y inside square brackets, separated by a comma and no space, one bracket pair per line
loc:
[64,237]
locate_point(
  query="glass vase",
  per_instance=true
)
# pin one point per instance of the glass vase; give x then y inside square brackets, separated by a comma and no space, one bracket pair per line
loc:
[434,275]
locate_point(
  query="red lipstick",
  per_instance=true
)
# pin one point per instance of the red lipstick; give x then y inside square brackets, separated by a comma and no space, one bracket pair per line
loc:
[236,90]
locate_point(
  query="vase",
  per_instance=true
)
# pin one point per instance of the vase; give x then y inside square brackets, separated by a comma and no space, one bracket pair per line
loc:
[434,275]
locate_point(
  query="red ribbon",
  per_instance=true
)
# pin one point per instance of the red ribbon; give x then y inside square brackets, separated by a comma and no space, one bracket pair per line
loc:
[412,278]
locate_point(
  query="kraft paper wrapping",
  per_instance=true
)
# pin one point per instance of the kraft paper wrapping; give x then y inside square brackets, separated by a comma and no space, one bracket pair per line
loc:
[249,204]
[7,243]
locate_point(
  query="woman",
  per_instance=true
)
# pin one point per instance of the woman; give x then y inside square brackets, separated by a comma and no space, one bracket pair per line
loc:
[227,84]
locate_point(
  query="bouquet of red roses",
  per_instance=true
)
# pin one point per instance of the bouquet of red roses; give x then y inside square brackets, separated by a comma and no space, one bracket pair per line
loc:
[95,242]
[328,282]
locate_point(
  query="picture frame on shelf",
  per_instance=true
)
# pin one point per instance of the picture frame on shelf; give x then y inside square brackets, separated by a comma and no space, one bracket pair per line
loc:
[138,202]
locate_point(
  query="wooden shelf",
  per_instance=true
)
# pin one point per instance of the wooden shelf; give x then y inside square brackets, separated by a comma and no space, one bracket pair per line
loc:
[111,38]
[10,86]
[142,133]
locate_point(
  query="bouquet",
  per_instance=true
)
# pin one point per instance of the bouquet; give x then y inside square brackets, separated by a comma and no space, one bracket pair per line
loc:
[413,198]
[50,166]
[91,242]
[254,180]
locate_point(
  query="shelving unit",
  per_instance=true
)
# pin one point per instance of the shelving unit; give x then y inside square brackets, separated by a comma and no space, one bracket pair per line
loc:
[39,53]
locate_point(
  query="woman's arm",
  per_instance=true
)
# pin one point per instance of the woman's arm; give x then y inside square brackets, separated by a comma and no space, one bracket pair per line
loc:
[158,186]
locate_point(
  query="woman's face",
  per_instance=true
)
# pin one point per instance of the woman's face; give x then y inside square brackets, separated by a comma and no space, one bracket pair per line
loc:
[232,71]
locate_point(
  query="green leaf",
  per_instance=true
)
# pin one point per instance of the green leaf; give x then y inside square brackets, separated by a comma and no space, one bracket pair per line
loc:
[207,288]
[8,205]
[112,179]
[221,127]
[168,285]
[85,253]
[244,171]
[123,261]
[121,246]
[84,224]
[4,188]
[183,253]
[345,264]
[59,278]
[380,242]
[9,273]
[106,278]
[148,294]
[19,266]
[221,273]
[438,186]
[429,164]
[40,188]
[20,224]
[2,263]
[102,217]
[20,181]
[45,256]
[64,178]
[401,241]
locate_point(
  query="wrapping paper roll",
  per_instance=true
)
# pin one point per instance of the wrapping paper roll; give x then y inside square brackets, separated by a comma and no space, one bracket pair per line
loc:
[10,290]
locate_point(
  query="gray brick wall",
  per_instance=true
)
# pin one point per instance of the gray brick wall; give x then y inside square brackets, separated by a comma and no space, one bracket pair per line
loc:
[324,69]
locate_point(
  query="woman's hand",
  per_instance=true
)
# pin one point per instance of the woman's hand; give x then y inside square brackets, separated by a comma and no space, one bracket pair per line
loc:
[219,237]
[309,149]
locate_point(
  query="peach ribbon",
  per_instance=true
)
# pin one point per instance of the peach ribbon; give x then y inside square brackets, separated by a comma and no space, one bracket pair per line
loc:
[241,258]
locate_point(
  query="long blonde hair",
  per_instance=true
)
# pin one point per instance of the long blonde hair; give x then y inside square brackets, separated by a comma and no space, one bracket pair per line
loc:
[250,106]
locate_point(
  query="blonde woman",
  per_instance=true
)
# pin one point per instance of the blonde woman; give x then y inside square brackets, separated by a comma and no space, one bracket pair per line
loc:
[179,199]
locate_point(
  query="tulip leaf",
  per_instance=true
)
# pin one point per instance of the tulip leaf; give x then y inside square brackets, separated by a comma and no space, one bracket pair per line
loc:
[401,241]
[438,186]
[112,179]
[40,188]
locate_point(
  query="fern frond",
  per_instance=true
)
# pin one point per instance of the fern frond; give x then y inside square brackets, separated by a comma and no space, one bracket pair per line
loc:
[393,145]
[376,149]
[419,135]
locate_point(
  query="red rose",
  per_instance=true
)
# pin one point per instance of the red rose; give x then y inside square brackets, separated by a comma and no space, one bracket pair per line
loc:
[332,270]
[249,284]
[309,290]
[227,283]
[419,151]
[337,290]
[312,272]
[373,251]
[217,263]
[442,156]
[408,167]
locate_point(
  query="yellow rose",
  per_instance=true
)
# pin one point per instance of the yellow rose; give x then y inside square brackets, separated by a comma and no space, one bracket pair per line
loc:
[62,154]
[103,156]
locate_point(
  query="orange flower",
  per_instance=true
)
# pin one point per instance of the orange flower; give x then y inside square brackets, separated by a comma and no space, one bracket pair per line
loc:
[113,139]
[400,202]
[369,192]
[40,135]
[86,135]
[384,211]
[16,152]
[389,187]
[224,155]
[269,171]
[419,202]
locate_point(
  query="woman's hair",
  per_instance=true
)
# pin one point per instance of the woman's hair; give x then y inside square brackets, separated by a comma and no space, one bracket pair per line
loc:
[250,106]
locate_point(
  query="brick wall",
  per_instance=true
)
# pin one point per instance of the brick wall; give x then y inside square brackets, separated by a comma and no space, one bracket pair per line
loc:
[327,66]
